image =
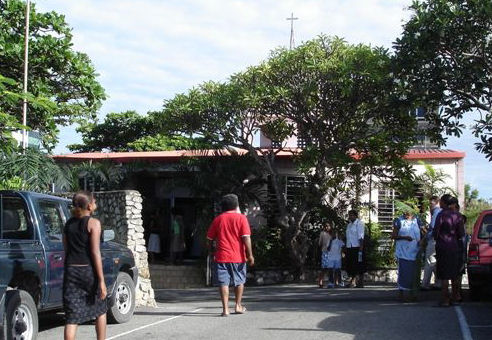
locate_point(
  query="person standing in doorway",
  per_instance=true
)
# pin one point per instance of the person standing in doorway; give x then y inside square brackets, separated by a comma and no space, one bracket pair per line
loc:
[177,236]
[430,249]
[232,236]
[355,249]
[154,245]
[84,289]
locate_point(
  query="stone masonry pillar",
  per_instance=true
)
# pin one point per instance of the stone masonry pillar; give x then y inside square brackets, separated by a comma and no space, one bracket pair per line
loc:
[122,212]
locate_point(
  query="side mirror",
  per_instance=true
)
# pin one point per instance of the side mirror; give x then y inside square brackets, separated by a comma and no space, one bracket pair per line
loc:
[108,235]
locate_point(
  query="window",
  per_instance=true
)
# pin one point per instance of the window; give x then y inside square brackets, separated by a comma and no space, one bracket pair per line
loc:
[15,223]
[52,219]
[420,113]
[276,144]
[302,142]
[482,232]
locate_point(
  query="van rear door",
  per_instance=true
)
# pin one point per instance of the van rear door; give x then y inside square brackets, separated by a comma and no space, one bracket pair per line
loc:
[484,238]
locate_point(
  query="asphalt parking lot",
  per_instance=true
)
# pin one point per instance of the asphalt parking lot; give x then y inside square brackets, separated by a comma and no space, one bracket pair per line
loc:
[295,312]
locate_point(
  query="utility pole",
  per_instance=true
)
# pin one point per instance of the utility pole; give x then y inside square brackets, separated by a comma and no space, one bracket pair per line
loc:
[292,30]
[26,57]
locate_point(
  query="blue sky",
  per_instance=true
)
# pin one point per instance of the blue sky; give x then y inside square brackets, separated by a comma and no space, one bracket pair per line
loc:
[148,50]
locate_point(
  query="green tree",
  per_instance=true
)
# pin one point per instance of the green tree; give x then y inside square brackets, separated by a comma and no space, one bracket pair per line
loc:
[162,142]
[130,131]
[340,98]
[432,183]
[474,205]
[32,170]
[471,195]
[114,133]
[444,56]
[8,123]
[56,70]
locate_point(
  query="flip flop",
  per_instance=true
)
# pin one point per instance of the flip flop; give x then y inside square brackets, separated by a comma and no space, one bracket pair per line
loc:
[241,311]
[224,314]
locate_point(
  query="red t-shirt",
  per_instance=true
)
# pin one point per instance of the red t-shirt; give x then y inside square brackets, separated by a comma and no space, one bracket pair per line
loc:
[227,230]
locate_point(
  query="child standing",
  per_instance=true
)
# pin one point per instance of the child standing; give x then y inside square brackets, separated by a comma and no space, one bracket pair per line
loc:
[335,260]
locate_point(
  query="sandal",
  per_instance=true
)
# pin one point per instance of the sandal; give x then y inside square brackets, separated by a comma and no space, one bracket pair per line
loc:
[242,311]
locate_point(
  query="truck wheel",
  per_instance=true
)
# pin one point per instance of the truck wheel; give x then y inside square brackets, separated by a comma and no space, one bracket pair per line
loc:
[122,302]
[21,316]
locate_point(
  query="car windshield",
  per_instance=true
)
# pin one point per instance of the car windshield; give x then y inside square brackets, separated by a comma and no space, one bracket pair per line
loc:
[486,222]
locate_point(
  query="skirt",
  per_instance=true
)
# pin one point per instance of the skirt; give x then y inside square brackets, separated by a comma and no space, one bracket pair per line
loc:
[406,274]
[448,264]
[354,267]
[81,302]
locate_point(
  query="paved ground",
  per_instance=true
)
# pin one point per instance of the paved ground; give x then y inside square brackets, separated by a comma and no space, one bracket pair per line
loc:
[295,312]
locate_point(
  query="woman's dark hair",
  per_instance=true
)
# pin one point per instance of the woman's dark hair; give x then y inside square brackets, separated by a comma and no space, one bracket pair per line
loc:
[229,202]
[80,203]
[446,199]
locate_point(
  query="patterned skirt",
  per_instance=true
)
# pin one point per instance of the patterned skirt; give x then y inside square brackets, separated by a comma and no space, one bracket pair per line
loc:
[81,301]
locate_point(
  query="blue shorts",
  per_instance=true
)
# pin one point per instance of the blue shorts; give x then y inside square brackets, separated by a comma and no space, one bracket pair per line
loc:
[229,274]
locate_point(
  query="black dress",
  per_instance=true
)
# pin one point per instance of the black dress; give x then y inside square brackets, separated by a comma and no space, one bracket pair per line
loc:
[81,301]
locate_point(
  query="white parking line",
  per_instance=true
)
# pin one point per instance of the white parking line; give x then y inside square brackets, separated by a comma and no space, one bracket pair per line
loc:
[152,324]
[465,329]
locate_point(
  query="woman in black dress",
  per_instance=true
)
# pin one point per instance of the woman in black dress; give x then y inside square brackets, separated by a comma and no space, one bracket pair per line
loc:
[84,289]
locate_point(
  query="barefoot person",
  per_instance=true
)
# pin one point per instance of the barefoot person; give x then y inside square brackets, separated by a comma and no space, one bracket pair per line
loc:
[84,289]
[231,233]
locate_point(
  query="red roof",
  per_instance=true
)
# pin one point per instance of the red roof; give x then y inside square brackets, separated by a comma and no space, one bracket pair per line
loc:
[123,157]
[417,154]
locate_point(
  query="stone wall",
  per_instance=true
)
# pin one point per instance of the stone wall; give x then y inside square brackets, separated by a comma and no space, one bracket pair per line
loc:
[277,275]
[121,212]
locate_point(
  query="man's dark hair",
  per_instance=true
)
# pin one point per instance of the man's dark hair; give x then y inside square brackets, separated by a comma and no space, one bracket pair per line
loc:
[434,198]
[353,212]
[446,199]
[229,202]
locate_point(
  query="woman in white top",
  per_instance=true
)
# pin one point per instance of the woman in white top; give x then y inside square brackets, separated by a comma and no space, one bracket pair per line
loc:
[355,248]
[406,233]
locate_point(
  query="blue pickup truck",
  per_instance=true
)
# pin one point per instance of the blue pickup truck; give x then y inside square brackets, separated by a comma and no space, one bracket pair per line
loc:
[32,263]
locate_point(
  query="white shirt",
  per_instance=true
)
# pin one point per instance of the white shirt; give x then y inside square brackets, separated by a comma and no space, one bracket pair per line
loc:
[355,232]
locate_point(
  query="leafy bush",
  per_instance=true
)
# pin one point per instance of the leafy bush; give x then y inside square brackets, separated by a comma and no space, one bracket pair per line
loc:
[268,248]
[379,248]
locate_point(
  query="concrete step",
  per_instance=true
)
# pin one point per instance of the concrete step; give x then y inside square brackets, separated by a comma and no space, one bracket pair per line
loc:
[176,277]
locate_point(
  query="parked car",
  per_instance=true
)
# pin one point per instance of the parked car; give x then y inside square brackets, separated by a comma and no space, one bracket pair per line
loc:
[32,264]
[480,256]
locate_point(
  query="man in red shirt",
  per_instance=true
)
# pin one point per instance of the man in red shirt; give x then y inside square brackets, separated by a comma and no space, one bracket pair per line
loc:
[232,235]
